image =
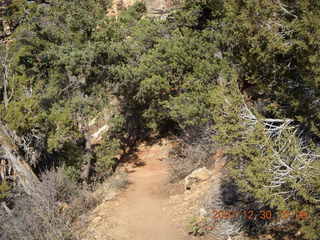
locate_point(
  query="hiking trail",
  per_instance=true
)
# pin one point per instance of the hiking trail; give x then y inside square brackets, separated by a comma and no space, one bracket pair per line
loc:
[139,212]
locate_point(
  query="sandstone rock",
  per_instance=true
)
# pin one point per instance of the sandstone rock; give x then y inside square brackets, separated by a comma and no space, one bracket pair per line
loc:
[198,175]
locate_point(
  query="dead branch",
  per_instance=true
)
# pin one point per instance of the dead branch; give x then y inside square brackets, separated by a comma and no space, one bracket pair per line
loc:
[291,159]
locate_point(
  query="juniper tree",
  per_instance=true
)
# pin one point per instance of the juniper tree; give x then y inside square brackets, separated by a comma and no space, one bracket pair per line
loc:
[52,86]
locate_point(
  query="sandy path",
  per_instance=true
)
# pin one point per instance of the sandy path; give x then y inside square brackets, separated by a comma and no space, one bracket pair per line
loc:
[139,212]
[141,207]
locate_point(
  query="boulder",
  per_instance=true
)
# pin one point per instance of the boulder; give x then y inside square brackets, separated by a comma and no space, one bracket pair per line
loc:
[198,175]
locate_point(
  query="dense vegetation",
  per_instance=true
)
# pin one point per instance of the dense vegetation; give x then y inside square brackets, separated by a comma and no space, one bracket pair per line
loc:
[247,72]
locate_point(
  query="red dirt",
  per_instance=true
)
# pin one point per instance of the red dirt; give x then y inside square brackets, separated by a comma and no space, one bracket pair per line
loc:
[139,212]
[141,207]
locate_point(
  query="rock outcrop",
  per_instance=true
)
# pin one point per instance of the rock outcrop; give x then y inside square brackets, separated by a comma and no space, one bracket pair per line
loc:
[119,5]
[153,6]
[198,175]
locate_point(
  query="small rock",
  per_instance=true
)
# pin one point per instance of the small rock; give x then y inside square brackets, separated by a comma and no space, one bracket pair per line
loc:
[266,237]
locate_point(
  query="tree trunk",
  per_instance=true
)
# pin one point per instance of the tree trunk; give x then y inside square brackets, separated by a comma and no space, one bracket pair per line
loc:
[4,62]
[86,168]
[5,92]
[26,177]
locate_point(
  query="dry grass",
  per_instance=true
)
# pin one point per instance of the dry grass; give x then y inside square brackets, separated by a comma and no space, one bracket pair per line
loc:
[193,150]
[221,198]
[112,185]
[37,217]
[49,212]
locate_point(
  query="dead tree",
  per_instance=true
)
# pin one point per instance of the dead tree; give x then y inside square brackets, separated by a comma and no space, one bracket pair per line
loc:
[5,75]
[88,159]
[25,175]
[84,129]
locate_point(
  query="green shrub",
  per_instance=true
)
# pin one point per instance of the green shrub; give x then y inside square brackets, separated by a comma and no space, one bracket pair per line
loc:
[4,190]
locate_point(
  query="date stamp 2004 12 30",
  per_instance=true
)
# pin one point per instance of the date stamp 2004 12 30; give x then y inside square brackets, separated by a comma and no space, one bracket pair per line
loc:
[261,214]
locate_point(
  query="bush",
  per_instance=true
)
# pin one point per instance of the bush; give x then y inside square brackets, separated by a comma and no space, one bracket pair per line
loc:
[194,150]
[106,160]
[49,212]
[119,180]
[4,190]
[222,197]
[81,204]
[199,226]
[35,219]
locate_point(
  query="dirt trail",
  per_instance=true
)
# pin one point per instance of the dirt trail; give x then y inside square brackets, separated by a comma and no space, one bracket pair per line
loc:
[139,212]
[141,208]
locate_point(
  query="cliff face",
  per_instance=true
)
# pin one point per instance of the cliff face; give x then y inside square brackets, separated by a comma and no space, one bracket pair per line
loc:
[151,5]
[119,5]
[171,3]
